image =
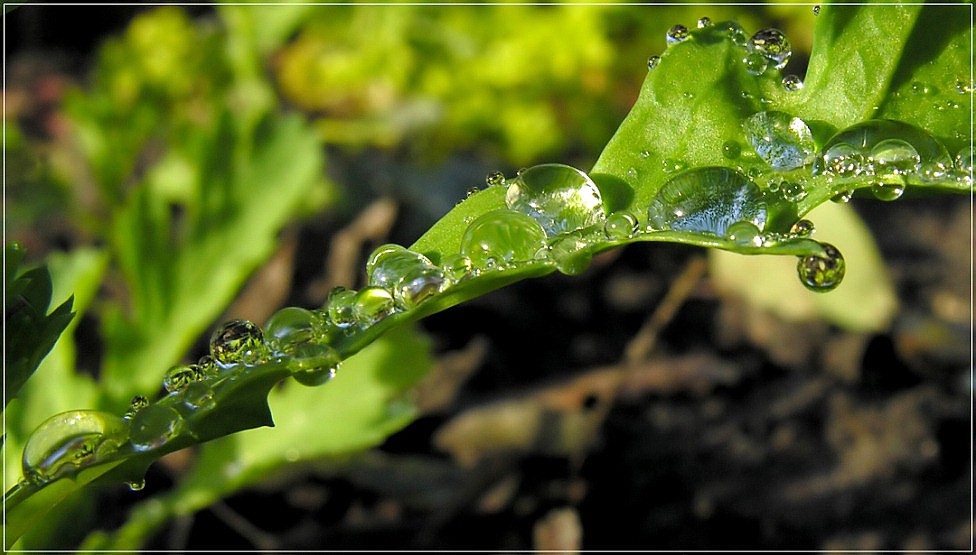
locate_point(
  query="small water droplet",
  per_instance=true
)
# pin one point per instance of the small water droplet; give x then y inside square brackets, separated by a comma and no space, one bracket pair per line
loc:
[569,253]
[495,178]
[822,274]
[561,198]
[632,173]
[670,165]
[652,62]
[290,325]
[745,234]
[792,83]
[793,191]
[136,485]
[456,267]
[707,200]
[314,364]
[137,403]
[816,10]
[964,87]
[236,342]
[620,226]
[704,22]
[772,44]
[502,237]
[154,426]
[736,33]
[842,196]
[755,63]
[180,376]
[341,307]
[372,305]
[781,140]
[887,191]
[802,229]
[67,442]
[923,89]
[964,160]
[199,396]
[731,149]
[892,158]
[676,34]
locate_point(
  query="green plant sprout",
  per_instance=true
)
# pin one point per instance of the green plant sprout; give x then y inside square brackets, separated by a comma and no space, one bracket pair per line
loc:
[720,150]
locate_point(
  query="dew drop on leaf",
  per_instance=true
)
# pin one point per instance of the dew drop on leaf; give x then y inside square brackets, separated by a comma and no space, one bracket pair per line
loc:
[894,157]
[816,10]
[409,276]
[456,267]
[236,342]
[569,253]
[314,363]
[198,396]
[792,83]
[745,234]
[802,229]
[341,307]
[180,376]
[135,405]
[290,325]
[136,485]
[502,237]
[653,61]
[372,305]
[707,200]
[70,441]
[704,22]
[822,274]
[154,426]
[887,191]
[560,198]
[773,45]
[755,63]
[495,178]
[676,34]
[620,225]
[781,140]
[731,149]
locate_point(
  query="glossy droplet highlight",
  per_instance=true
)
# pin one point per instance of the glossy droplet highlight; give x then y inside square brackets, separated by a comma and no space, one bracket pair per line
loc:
[792,83]
[704,22]
[745,234]
[236,342]
[773,45]
[341,307]
[731,150]
[373,304]
[620,226]
[802,228]
[707,200]
[781,140]
[136,486]
[290,325]
[822,274]
[67,442]
[676,34]
[502,237]
[154,426]
[560,198]
[893,157]
[495,178]
[653,61]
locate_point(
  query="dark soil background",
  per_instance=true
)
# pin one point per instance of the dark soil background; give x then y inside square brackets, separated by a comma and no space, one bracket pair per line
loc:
[636,407]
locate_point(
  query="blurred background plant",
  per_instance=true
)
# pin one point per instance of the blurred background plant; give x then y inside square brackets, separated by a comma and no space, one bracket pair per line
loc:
[177,166]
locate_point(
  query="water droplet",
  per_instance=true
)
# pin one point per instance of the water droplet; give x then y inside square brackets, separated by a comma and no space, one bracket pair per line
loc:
[137,485]
[495,178]
[704,22]
[772,44]
[569,253]
[154,426]
[652,62]
[781,140]
[70,441]
[502,237]
[314,363]
[822,274]
[756,63]
[236,342]
[341,307]
[964,160]
[290,325]
[180,376]
[736,33]
[965,87]
[842,196]
[372,305]
[676,34]
[887,191]
[802,228]
[620,226]
[669,165]
[792,83]
[816,10]
[707,200]
[561,198]
[198,395]
[135,405]
[411,277]
[793,191]
[456,267]
[731,149]
[851,153]
[745,234]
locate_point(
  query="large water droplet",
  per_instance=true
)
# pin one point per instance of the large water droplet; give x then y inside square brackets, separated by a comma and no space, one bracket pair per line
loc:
[676,34]
[154,426]
[707,200]
[561,198]
[880,148]
[236,342]
[70,441]
[745,234]
[772,44]
[502,237]
[822,274]
[410,276]
[180,376]
[290,325]
[781,140]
